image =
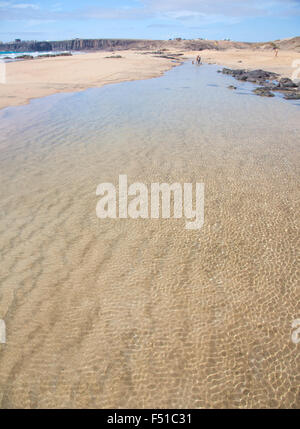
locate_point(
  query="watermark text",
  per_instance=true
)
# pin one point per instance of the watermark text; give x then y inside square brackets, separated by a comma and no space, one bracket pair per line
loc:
[165,201]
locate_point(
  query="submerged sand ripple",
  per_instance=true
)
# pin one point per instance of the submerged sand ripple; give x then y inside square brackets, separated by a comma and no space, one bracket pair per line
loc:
[143,313]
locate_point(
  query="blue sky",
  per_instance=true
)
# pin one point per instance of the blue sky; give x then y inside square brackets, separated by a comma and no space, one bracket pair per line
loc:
[255,20]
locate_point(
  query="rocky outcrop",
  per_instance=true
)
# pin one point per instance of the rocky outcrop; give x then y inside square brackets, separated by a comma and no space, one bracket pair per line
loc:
[263,92]
[268,82]
[292,96]
[61,54]
[254,76]
[26,47]
[76,45]
[25,57]
[287,83]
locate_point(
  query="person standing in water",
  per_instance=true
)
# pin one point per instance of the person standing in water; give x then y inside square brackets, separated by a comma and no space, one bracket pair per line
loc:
[198,59]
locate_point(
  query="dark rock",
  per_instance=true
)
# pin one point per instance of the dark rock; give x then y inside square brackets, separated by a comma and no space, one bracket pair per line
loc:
[228,71]
[62,54]
[253,80]
[271,86]
[255,76]
[263,92]
[293,96]
[268,82]
[261,74]
[242,77]
[25,57]
[287,83]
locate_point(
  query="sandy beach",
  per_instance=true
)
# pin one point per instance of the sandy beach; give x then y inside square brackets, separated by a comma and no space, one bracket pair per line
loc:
[37,78]
[253,59]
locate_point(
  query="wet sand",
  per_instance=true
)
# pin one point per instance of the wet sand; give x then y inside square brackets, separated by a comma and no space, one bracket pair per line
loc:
[143,313]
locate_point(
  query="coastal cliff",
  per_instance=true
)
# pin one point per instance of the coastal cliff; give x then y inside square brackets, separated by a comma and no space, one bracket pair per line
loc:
[119,44]
[76,45]
[123,44]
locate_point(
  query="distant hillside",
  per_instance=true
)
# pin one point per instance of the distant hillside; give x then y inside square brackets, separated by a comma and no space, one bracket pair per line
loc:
[119,44]
[290,44]
[122,44]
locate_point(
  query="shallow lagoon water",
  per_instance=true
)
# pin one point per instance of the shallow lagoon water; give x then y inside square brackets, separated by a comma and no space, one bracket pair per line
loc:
[143,313]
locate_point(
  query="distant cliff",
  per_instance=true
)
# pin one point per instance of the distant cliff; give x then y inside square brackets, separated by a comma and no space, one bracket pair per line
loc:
[117,44]
[122,44]
[77,45]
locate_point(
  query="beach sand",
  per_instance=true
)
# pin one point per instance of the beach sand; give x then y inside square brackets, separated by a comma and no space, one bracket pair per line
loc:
[37,78]
[252,59]
[30,79]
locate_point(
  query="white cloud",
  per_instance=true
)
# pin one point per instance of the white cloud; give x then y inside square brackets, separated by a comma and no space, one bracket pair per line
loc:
[195,11]
[10,5]
[25,6]
[231,8]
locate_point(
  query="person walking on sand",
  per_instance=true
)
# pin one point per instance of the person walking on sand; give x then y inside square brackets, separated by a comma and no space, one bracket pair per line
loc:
[275,49]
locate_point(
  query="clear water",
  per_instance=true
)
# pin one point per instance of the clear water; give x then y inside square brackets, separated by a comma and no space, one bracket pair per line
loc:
[143,313]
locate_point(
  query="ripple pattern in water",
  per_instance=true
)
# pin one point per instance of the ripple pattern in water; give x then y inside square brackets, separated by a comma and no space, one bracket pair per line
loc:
[143,313]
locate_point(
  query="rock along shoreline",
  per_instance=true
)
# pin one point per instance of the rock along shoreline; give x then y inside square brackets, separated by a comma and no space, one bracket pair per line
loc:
[268,81]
